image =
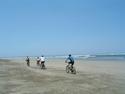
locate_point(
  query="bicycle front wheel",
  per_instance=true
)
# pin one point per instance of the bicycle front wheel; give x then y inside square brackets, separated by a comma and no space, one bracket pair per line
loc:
[67,69]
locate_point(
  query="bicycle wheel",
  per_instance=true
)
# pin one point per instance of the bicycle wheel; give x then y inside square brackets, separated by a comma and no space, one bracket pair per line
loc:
[28,64]
[74,70]
[67,69]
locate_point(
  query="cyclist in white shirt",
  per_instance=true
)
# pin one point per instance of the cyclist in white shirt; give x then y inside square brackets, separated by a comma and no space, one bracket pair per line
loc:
[42,61]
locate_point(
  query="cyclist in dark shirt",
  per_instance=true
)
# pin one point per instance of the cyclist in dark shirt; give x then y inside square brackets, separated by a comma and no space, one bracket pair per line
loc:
[28,61]
[70,60]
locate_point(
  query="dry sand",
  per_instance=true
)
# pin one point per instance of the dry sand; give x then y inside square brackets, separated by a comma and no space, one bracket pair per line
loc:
[93,77]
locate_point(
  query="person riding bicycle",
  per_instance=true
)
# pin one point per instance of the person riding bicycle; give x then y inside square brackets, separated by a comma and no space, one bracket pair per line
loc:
[28,61]
[38,61]
[42,61]
[70,60]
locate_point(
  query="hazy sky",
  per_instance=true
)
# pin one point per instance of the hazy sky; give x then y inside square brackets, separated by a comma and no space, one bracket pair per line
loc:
[35,27]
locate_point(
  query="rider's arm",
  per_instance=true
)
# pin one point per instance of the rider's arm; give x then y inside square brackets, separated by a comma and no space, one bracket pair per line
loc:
[66,61]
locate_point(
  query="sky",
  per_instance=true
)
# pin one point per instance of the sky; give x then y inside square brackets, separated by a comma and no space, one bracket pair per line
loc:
[60,27]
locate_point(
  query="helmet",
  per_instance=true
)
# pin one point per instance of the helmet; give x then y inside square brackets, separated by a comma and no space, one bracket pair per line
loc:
[69,54]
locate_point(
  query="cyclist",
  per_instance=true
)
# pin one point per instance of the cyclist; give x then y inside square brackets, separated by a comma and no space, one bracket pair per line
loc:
[28,61]
[70,60]
[42,61]
[38,61]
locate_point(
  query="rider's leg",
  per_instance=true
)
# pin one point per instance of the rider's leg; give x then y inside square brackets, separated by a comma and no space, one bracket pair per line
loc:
[28,63]
[72,65]
[44,64]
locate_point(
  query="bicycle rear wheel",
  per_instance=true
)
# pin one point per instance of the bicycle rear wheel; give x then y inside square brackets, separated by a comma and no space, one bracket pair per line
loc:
[74,70]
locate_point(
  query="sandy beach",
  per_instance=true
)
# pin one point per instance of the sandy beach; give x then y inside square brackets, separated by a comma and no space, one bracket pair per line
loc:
[93,77]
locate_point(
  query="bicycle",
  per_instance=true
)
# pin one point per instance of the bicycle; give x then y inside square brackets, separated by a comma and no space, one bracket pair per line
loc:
[42,66]
[28,61]
[70,69]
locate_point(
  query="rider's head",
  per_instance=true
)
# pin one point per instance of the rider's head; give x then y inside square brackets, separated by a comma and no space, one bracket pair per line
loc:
[69,55]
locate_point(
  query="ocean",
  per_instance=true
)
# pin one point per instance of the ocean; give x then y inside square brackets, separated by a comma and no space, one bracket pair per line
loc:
[81,57]
[95,57]
[103,57]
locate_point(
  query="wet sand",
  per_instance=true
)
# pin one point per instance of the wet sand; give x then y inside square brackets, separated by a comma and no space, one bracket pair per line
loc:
[93,77]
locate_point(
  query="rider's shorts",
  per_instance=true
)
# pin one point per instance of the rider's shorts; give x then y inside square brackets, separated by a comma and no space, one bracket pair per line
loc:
[72,63]
[42,62]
